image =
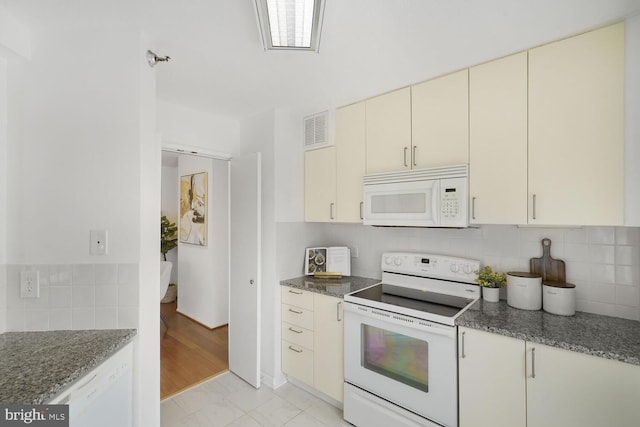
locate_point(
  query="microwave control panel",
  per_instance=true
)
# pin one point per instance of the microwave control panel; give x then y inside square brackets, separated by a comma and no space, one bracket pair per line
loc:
[453,202]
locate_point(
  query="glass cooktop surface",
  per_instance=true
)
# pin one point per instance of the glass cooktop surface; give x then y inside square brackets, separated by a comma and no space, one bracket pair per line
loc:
[415,299]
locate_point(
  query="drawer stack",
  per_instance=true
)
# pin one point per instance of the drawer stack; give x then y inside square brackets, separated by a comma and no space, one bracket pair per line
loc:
[297,334]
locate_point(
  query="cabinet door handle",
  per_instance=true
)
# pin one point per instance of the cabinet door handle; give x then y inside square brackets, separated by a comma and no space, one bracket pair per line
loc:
[338,318]
[297,351]
[361,210]
[533,362]
[413,156]
[473,208]
[294,311]
[331,210]
[405,157]
[462,355]
[533,209]
[293,330]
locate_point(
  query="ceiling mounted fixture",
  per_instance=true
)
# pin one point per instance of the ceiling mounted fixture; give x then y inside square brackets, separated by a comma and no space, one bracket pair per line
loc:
[153,59]
[290,24]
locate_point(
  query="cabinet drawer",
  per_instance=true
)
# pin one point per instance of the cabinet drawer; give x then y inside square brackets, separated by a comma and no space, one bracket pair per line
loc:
[297,297]
[297,316]
[297,335]
[297,362]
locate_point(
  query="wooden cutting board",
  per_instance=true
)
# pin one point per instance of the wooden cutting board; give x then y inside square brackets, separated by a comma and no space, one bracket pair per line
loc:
[549,268]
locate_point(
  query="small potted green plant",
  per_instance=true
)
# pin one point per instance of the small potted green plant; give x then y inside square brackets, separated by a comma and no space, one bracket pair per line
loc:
[491,282]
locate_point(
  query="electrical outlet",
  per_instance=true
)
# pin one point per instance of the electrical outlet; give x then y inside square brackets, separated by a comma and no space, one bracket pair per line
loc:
[354,252]
[98,242]
[30,284]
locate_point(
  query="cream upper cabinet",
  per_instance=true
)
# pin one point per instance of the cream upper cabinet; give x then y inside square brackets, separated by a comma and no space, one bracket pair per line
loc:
[576,102]
[440,121]
[350,140]
[328,346]
[388,132]
[498,141]
[320,185]
[491,381]
[571,389]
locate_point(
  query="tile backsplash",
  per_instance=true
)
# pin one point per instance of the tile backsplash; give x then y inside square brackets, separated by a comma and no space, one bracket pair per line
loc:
[79,296]
[603,262]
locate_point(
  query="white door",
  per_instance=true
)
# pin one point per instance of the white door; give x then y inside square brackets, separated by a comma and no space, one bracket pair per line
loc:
[245,271]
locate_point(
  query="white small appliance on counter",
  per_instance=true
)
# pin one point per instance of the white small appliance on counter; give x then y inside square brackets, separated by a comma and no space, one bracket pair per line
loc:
[334,259]
[434,197]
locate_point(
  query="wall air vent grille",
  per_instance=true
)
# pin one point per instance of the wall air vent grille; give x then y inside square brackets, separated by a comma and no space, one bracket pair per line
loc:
[316,130]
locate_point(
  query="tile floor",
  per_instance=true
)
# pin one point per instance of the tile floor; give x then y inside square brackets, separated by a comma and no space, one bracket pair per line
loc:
[226,400]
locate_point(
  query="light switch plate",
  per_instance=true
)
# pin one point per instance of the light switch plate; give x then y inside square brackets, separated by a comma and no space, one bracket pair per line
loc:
[30,284]
[98,242]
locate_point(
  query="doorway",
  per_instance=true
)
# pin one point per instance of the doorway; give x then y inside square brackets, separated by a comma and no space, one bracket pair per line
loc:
[194,347]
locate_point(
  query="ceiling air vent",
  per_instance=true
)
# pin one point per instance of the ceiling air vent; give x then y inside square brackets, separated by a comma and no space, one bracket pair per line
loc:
[316,131]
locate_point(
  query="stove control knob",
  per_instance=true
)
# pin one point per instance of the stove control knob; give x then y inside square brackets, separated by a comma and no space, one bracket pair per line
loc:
[388,260]
[455,268]
[466,269]
[397,261]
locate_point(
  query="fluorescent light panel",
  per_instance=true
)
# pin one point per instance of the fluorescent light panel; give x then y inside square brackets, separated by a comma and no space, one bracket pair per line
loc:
[290,24]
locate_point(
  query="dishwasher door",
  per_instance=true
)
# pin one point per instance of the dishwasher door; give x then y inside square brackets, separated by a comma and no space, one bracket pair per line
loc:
[104,397]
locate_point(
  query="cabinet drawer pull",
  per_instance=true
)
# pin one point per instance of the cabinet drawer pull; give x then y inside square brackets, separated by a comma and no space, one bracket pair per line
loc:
[294,311]
[297,351]
[413,156]
[338,318]
[361,208]
[293,330]
[462,355]
[294,292]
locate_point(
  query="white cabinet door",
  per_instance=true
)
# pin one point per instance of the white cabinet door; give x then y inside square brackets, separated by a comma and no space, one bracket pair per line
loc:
[498,141]
[491,381]
[320,185]
[571,389]
[576,141]
[389,132]
[328,346]
[350,161]
[440,121]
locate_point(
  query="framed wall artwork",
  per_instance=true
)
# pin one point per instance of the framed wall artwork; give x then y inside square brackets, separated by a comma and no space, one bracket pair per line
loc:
[193,208]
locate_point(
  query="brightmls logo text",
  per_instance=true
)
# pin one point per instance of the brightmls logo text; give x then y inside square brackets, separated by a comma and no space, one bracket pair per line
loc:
[34,415]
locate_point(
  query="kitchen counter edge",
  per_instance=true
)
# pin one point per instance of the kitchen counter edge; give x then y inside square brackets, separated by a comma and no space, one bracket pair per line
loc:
[596,335]
[337,288]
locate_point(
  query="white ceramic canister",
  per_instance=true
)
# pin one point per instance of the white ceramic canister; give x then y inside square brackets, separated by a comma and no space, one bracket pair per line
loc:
[559,298]
[524,290]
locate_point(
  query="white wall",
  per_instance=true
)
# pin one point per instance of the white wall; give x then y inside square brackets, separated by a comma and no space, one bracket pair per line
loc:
[203,279]
[184,126]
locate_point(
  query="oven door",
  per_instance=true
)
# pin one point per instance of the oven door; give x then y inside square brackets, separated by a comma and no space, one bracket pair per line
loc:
[407,361]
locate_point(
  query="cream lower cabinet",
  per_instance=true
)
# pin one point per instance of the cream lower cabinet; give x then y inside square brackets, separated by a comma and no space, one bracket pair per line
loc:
[328,363]
[312,340]
[491,380]
[509,382]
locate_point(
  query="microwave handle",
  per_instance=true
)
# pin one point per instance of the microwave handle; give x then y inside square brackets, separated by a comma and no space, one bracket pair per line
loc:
[435,203]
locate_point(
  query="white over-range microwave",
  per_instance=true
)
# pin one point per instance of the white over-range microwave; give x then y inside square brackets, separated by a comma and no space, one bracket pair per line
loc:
[434,197]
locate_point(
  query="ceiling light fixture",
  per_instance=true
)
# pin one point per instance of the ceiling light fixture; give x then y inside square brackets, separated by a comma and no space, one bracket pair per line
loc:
[290,24]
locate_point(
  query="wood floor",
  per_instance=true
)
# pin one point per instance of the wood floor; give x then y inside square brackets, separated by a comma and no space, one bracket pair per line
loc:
[189,352]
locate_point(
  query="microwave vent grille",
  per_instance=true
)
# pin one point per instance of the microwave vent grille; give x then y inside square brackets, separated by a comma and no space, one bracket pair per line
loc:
[456,171]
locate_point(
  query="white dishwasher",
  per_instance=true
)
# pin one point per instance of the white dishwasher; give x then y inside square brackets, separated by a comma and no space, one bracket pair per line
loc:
[103,397]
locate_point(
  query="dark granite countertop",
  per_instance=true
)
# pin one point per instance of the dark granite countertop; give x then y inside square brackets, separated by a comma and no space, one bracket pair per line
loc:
[37,366]
[603,336]
[333,287]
